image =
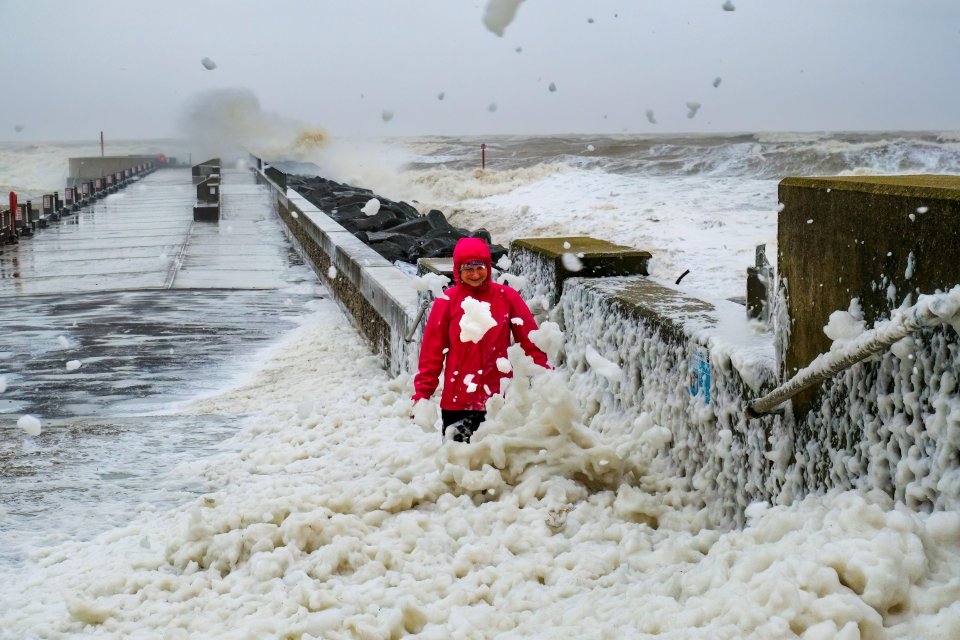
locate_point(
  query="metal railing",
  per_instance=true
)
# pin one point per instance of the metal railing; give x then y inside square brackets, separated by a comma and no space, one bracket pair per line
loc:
[929,311]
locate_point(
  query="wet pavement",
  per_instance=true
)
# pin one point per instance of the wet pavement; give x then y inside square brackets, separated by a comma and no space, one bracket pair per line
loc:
[87,354]
[144,237]
[143,298]
[110,317]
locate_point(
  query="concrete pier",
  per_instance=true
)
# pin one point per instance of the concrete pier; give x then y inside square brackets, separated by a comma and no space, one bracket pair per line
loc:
[86,169]
[145,238]
[111,317]
[143,296]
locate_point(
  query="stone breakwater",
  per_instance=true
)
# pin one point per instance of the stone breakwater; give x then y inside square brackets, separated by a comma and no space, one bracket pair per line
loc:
[395,230]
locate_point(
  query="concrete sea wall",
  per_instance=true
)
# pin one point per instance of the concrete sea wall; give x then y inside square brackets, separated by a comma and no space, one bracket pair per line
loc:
[891,422]
[688,366]
[375,294]
[880,239]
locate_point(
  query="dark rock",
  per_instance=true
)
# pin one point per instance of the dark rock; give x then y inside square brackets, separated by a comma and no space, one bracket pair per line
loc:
[405,210]
[437,219]
[436,248]
[351,197]
[497,252]
[378,222]
[438,243]
[397,231]
[451,233]
[417,227]
[483,234]
[344,214]
[409,245]
[392,252]
[380,236]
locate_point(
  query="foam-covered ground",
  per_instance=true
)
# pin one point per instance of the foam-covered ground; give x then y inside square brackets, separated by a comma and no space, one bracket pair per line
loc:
[336,517]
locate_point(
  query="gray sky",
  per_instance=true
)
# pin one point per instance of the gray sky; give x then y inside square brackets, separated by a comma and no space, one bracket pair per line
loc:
[128,68]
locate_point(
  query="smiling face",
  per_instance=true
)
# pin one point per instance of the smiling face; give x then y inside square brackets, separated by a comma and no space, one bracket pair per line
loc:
[473,275]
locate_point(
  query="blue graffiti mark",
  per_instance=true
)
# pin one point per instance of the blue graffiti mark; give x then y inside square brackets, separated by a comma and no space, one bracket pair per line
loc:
[700,375]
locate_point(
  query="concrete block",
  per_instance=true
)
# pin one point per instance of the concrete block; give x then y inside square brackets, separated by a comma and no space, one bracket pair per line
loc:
[881,239]
[208,190]
[541,262]
[440,266]
[206,212]
[686,364]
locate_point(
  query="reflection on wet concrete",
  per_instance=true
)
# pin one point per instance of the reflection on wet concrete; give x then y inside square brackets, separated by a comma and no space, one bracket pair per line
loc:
[137,350]
[110,317]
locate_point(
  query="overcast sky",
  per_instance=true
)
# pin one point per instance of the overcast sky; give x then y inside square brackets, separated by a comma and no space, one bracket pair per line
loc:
[71,69]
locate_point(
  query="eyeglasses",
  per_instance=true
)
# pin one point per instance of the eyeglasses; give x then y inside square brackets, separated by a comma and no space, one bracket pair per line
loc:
[473,269]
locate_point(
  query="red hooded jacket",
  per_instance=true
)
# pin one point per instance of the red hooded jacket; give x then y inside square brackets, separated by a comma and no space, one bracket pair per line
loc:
[441,338]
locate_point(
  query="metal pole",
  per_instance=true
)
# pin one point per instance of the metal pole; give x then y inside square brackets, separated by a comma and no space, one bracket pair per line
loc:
[483,155]
[416,321]
[929,311]
[14,212]
[101,144]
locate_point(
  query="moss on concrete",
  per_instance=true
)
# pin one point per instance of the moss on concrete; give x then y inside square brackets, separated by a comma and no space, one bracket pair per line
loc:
[601,254]
[598,258]
[665,309]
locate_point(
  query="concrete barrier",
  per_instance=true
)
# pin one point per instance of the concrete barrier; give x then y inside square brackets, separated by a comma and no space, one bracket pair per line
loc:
[887,422]
[205,170]
[547,262]
[687,366]
[375,294]
[207,208]
[206,177]
[880,239]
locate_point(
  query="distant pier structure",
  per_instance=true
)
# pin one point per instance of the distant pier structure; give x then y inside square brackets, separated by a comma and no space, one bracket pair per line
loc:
[85,169]
[88,180]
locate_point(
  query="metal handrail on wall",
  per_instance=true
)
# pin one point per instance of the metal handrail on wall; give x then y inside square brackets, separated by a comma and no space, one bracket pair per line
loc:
[929,311]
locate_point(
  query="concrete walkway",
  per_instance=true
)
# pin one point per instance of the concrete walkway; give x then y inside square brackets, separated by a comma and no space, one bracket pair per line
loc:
[145,238]
[148,301]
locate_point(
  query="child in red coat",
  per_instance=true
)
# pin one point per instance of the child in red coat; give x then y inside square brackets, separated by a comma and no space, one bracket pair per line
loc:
[467,336]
